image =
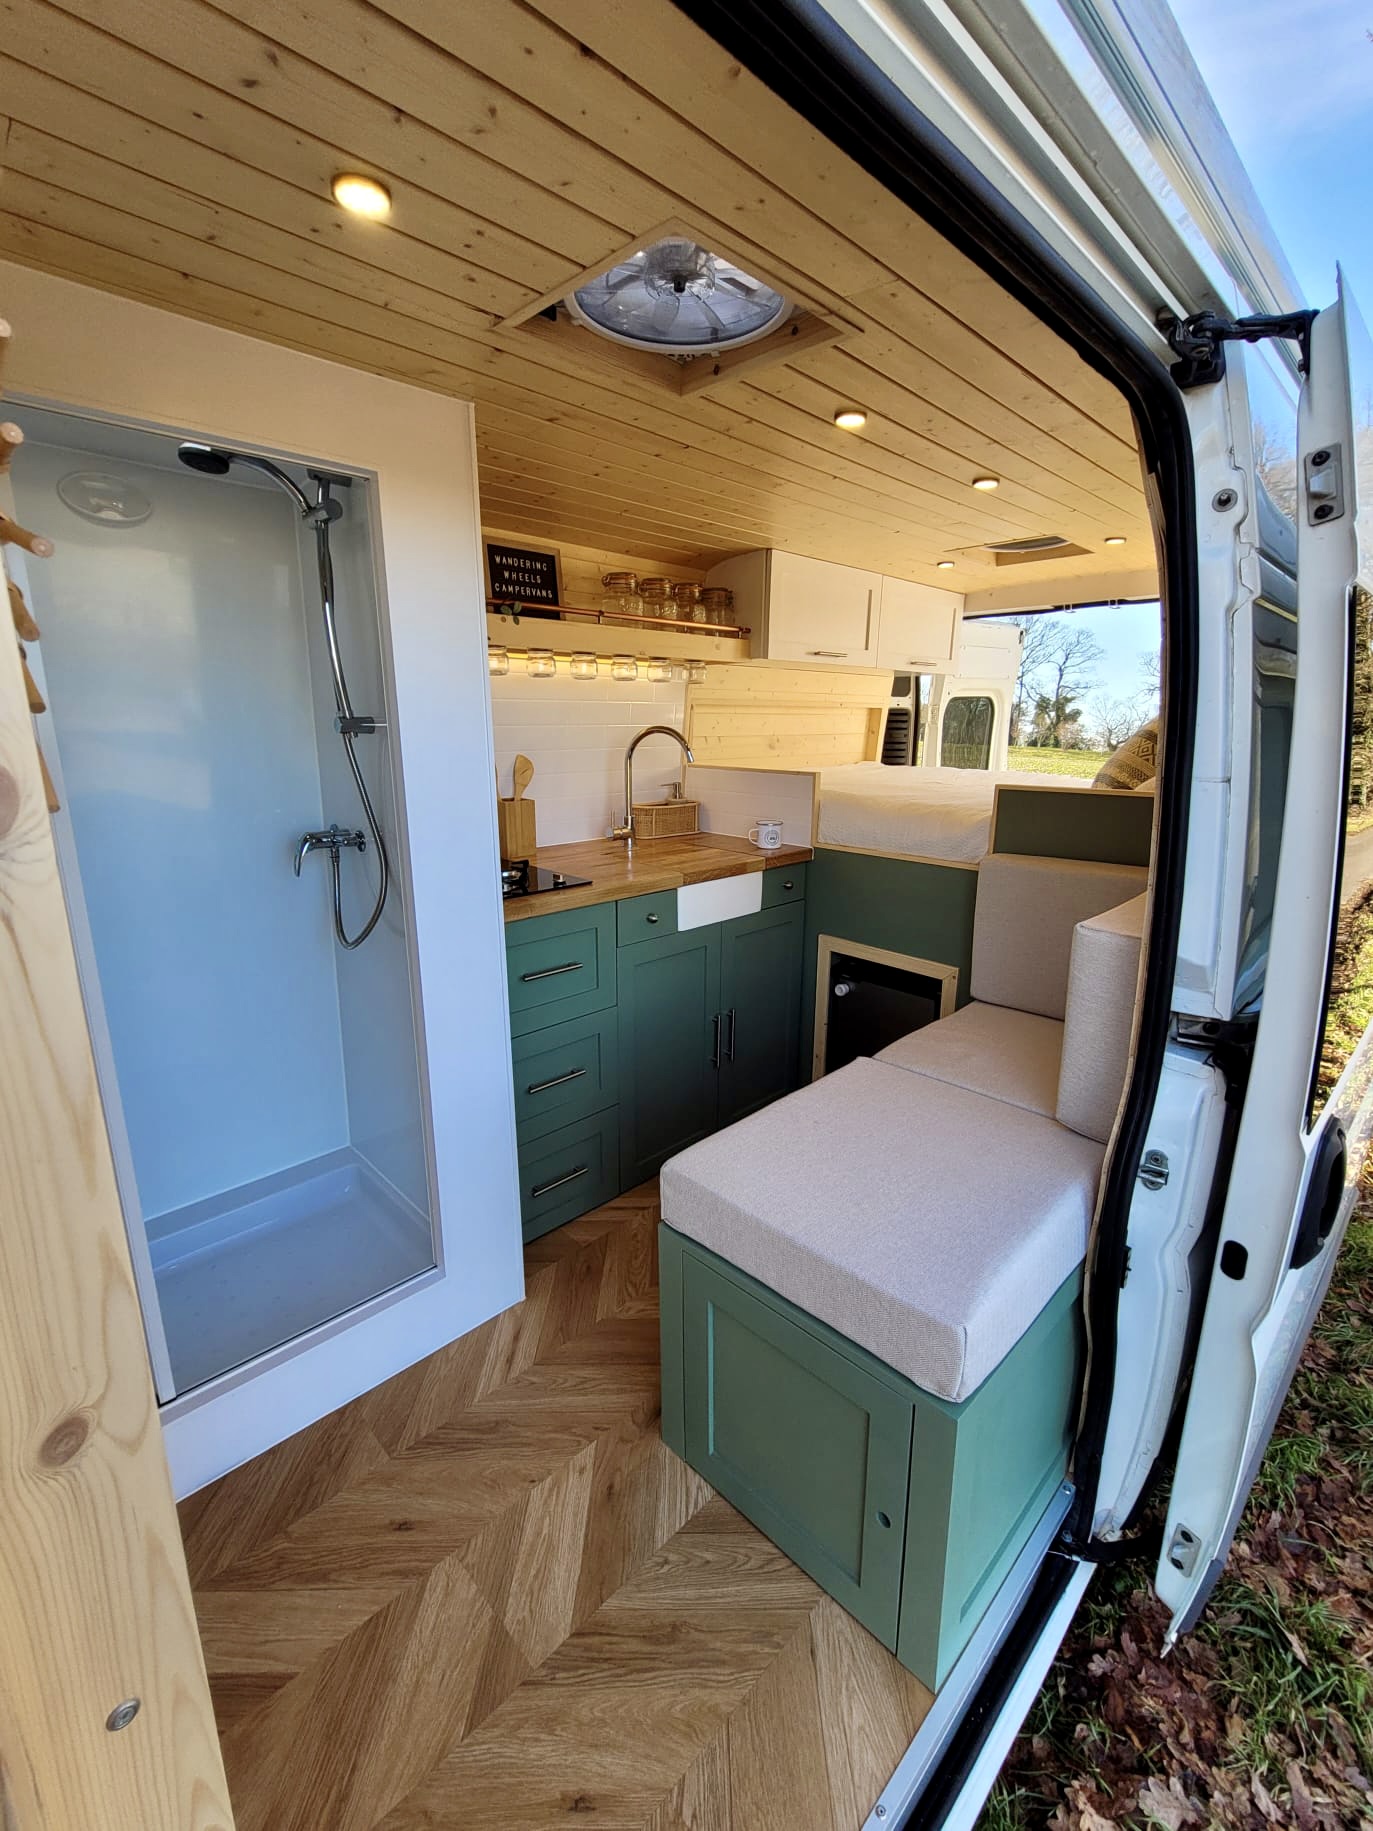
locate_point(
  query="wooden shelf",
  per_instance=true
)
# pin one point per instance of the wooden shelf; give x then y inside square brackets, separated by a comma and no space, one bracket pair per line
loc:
[601,639]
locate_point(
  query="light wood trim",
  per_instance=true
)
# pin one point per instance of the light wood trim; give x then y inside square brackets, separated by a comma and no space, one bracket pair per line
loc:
[94,1601]
[830,945]
[603,639]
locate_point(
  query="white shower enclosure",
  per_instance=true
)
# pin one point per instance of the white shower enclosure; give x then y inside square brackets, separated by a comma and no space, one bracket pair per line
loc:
[262,1084]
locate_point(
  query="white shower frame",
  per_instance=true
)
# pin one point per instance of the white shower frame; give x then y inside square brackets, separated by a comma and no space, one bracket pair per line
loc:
[85,352]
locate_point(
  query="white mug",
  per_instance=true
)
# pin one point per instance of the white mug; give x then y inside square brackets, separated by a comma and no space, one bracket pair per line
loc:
[767,835]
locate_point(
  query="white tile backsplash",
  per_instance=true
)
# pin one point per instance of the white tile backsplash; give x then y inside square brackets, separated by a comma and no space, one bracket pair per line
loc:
[575,733]
[733,800]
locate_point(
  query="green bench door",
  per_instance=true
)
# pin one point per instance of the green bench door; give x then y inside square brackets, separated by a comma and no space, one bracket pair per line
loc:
[669,1084]
[760,995]
[807,1444]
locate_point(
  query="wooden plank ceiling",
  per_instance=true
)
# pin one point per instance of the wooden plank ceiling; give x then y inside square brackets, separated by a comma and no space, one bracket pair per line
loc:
[181,152]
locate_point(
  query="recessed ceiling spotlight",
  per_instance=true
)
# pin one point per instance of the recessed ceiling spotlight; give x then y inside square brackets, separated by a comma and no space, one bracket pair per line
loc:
[362,196]
[850,419]
[1115,540]
[944,565]
[986,483]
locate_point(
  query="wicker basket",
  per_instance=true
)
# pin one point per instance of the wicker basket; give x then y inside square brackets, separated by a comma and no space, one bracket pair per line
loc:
[666,819]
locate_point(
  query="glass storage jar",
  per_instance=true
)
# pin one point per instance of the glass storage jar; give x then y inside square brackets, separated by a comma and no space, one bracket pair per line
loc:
[540,664]
[497,660]
[688,598]
[582,665]
[659,668]
[717,604]
[657,596]
[620,595]
[623,667]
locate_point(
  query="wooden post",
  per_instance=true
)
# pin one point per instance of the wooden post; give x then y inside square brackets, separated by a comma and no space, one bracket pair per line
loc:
[95,1607]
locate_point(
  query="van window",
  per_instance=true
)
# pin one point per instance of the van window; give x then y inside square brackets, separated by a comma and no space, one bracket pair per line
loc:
[1273,417]
[965,738]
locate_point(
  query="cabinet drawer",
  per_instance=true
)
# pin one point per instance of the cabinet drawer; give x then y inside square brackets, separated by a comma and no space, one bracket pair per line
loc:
[809,1444]
[560,966]
[568,1171]
[783,884]
[643,918]
[565,1071]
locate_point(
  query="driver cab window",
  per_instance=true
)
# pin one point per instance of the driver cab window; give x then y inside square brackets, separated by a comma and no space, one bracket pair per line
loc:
[965,737]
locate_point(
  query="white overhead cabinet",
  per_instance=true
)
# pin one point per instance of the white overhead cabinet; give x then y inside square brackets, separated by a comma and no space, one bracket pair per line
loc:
[811,610]
[805,609]
[918,629]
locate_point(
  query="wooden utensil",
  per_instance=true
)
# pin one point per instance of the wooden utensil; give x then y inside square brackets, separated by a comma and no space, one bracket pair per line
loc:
[519,838]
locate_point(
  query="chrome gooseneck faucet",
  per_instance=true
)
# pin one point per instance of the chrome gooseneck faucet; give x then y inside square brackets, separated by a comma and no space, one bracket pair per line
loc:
[626,832]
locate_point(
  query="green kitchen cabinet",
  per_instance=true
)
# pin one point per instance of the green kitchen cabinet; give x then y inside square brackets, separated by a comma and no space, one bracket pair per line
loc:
[760,995]
[631,1041]
[671,1033]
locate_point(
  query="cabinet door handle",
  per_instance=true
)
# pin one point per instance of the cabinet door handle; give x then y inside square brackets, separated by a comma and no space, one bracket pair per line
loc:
[830,654]
[729,1043]
[542,1087]
[789,884]
[651,918]
[717,1021]
[867,622]
[558,1181]
[551,972]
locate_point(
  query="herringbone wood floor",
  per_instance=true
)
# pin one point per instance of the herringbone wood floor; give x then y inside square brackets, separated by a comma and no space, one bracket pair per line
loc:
[486,1595]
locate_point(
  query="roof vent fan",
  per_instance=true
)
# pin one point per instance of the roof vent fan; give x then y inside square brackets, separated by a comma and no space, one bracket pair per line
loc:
[677,298]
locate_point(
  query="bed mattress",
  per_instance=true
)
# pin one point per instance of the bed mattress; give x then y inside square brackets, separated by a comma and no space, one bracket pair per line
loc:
[920,813]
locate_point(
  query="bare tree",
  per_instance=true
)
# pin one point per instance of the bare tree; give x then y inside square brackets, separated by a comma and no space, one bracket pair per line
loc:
[1056,664]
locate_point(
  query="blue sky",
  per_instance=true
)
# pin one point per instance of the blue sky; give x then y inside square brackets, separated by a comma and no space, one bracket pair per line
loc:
[1293,80]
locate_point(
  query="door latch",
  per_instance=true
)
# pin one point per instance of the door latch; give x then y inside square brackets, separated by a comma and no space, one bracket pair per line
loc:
[1182,1550]
[1324,485]
[1154,1169]
[1200,340]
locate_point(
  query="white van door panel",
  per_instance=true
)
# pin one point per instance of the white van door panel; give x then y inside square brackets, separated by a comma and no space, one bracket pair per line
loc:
[1291,1185]
[1167,1268]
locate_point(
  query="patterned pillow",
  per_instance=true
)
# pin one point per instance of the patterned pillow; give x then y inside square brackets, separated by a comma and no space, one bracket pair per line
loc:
[1133,763]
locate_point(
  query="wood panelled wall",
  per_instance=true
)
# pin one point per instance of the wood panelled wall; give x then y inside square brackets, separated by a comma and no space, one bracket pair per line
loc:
[181,151]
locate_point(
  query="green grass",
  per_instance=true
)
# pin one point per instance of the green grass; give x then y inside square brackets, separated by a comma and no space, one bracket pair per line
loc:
[1263,1715]
[1046,762]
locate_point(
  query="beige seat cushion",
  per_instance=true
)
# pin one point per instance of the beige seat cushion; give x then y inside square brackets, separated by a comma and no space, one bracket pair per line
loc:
[989,1049]
[926,1223]
[1023,922]
[1102,983]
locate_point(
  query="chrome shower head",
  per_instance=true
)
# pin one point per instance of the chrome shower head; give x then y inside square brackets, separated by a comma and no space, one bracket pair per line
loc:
[204,458]
[214,461]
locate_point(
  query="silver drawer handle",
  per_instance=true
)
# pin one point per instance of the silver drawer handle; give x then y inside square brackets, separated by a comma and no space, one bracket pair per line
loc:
[558,1181]
[542,1087]
[830,654]
[652,918]
[551,972]
[789,885]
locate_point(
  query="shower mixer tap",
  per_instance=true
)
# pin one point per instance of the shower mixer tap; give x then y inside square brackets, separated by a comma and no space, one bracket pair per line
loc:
[332,840]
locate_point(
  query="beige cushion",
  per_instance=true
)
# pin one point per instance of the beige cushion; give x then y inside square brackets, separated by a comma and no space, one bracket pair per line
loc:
[1027,909]
[1101,1013]
[1133,763]
[926,1223]
[989,1049]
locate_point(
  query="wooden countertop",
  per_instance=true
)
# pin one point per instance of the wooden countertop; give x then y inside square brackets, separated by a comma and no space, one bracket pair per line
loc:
[654,864]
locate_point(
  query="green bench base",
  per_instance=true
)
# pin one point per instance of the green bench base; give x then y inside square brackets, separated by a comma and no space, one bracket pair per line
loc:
[908,1509]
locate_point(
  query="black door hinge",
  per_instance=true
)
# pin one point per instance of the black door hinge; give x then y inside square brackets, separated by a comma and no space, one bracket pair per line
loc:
[1200,340]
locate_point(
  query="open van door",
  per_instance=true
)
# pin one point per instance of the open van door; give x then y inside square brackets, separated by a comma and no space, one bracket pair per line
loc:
[1300,1142]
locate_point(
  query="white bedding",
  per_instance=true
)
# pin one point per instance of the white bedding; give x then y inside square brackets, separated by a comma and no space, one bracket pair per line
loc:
[920,813]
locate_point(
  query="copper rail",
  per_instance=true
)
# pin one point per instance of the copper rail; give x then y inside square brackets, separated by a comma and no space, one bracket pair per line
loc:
[510,607]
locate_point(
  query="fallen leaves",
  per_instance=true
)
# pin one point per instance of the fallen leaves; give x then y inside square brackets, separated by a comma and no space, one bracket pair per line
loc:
[1263,1715]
